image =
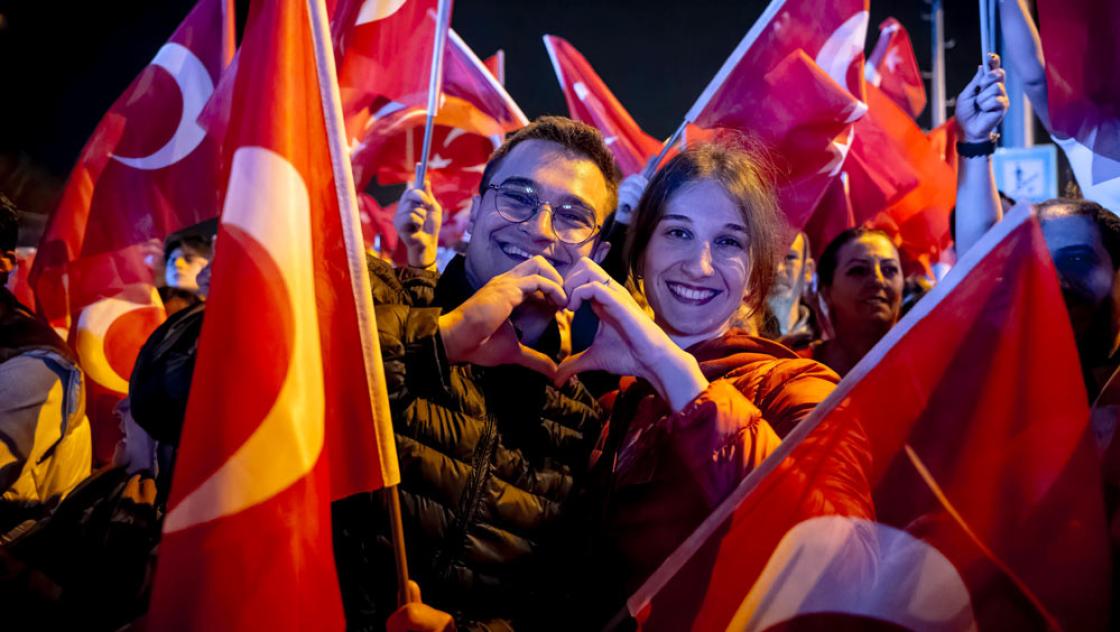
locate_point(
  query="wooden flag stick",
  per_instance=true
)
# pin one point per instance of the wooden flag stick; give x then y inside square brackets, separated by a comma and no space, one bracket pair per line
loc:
[435,88]
[359,279]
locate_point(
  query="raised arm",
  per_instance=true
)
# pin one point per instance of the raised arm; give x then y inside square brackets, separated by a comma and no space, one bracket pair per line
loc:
[980,108]
[1023,48]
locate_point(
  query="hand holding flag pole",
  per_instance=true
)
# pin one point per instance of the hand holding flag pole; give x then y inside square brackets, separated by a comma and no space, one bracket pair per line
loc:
[435,84]
[352,237]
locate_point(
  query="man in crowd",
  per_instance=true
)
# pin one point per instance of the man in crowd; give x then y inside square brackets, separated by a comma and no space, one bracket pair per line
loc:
[787,319]
[45,447]
[489,450]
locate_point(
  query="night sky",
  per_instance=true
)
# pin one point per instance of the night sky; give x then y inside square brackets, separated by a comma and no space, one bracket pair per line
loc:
[65,62]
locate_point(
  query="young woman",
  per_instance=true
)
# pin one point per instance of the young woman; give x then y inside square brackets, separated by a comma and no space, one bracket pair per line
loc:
[704,404]
[861,283]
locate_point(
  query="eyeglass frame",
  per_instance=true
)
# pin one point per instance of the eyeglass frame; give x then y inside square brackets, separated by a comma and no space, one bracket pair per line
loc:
[537,209]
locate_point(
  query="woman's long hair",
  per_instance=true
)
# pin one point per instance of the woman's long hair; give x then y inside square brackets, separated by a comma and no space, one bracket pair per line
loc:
[742,168]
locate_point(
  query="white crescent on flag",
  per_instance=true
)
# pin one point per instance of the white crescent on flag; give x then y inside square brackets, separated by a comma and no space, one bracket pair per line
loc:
[852,566]
[194,83]
[842,47]
[374,10]
[93,327]
[269,201]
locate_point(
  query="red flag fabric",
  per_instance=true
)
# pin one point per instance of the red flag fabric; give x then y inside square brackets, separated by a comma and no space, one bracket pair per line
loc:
[900,181]
[802,115]
[795,81]
[949,483]
[386,57]
[475,115]
[496,64]
[832,216]
[18,283]
[147,171]
[592,102]
[279,420]
[943,139]
[1080,46]
[893,68]
[831,32]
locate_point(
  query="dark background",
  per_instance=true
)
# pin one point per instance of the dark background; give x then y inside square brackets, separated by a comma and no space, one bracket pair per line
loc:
[64,63]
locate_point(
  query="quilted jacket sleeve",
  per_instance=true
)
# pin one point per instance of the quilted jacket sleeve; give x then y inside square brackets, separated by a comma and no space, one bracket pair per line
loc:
[720,437]
[730,428]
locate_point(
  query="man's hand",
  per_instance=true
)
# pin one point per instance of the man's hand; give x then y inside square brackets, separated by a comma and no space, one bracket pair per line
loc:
[629,194]
[983,103]
[479,331]
[414,616]
[417,220]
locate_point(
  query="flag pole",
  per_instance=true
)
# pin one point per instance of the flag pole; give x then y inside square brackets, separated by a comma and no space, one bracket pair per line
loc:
[435,87]
[985,34]
[937,67]
[651,167]
[359,279]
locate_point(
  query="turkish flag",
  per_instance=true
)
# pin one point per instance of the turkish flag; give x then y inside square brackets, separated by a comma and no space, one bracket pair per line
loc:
[1081,49]
[280,420]
[496,64]
[592,102]
[899,178]
[943,139]
[893,68]
[386,56]
[148,170]
[794,81]
[949,483]
[475,114]
[802,116]
[831,32]
[832,216]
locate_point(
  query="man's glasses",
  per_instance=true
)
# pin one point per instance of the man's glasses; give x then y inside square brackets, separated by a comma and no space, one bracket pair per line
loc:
[573,223]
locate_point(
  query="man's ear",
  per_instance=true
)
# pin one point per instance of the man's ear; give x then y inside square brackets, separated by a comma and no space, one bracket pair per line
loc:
[473,212]
[600,252]
[807,273]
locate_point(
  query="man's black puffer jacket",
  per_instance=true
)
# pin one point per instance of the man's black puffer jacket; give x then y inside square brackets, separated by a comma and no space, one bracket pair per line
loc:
[488,459]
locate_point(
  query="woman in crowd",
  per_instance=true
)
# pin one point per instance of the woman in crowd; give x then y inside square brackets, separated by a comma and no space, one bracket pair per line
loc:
[861,282]
[704,404]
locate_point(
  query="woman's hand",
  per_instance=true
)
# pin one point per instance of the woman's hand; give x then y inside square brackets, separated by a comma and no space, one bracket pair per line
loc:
[628,342]
[983,103]
[417,220]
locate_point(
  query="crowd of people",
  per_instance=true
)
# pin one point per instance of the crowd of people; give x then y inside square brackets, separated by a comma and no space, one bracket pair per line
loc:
[595,371]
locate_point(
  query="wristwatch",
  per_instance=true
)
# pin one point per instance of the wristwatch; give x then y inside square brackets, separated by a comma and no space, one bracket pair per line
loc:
[977,150]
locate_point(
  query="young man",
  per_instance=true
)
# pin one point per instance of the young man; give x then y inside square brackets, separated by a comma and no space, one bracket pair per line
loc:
[489,451]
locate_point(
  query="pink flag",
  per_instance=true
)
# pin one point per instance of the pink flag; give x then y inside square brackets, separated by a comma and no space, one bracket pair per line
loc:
[148,170]
[591,101]
[948,484]
[893,69]
[279,420]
